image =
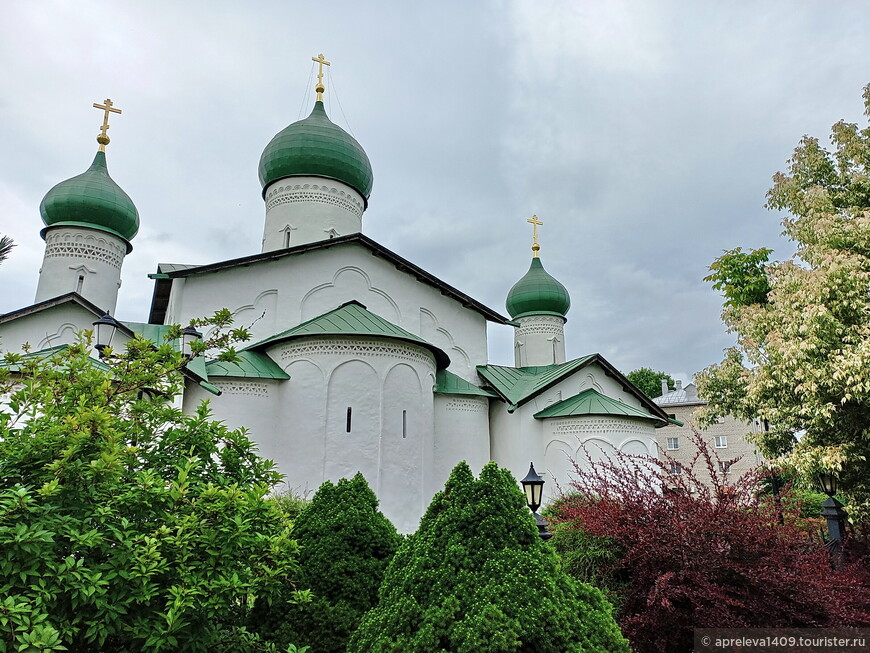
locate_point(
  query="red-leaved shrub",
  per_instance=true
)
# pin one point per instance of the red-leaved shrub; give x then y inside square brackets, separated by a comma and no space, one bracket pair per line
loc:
[691,555]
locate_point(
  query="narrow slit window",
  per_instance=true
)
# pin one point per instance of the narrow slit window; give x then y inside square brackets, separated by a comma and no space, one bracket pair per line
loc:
[349,417]
[80,284]
[404,424]
[287,238]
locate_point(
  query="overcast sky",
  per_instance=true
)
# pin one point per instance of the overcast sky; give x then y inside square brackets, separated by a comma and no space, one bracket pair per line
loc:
[644,134]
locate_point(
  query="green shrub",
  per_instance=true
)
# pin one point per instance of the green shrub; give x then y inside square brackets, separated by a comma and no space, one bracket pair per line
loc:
[346,545]
[126,525]
[477,578]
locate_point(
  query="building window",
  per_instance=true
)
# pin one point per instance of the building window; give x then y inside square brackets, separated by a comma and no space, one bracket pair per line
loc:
[676,468]
[80,284]
[672,416]
[404,424]
[673,444]
[349,414]
[724,467]
[721,441]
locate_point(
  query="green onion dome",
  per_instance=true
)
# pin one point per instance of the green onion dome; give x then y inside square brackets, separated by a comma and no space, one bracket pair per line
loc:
[91,199]
[537,293]
[317,147]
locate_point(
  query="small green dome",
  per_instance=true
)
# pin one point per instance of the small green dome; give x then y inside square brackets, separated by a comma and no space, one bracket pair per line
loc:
[91,199]
[537,293]
[318,147]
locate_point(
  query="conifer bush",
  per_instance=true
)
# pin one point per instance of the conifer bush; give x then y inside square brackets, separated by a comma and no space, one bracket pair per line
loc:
[346,544]
[477,578]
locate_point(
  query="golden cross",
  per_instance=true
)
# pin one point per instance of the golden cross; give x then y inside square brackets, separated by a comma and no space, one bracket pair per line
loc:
[535,224]
[103,137]
[320,87]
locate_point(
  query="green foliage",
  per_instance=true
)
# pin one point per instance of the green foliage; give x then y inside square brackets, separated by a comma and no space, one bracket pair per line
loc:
[802,357]
[6,245]
[346,544]
[126,525]
[741,276]
[476,577]
[650,382]
[290,502]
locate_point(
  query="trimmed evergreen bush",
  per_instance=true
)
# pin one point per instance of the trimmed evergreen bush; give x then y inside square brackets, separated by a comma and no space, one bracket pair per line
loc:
[477,578]
[346,545]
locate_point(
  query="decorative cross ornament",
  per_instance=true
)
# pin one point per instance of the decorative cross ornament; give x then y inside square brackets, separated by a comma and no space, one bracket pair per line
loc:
[320,87]
[535,224]
[103,137]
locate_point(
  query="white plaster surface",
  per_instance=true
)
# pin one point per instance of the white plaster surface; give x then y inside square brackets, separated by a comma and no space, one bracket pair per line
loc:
[82,260]
[302,210]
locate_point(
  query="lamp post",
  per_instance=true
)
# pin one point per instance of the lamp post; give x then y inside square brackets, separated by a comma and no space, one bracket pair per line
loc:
[832,511]
[188,336]
[104,332]
[533,486]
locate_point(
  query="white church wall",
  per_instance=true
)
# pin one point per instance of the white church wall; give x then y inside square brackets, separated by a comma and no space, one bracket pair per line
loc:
[356,405]
[555,442]
[305,286]
[461,433]
[302,210]
[58,325]
[82,260]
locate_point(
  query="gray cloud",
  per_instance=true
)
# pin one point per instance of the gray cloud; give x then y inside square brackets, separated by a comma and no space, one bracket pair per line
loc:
[643,134]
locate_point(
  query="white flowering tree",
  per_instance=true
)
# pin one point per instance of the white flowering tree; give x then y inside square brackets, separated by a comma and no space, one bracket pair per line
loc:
[802,359]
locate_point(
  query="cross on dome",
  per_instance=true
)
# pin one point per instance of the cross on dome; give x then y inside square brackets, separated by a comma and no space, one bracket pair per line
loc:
[319,59]
[535,224]
[103,137]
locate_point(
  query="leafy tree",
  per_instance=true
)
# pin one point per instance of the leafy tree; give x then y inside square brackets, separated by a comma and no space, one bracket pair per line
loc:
[741,276]
[126,525]
[346,544]
[476,577]
[6,245]
[650,382]
[702,556]
[803,355]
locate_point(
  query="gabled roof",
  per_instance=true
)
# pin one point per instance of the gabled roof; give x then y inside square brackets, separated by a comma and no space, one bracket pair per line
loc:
[592,402]
[70,297]
[167,272]
[352,319]
[517,385]
[448,383]
[251,365]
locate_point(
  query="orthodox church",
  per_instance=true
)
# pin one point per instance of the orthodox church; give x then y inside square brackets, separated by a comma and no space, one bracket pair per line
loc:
[360,360]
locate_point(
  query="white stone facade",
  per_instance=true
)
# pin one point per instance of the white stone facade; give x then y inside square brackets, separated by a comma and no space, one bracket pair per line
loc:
[539,340]
[84,261]
[301,210]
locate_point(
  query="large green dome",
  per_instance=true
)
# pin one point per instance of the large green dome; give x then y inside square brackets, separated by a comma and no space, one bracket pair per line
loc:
[91,199]
[537,293]
[318,147]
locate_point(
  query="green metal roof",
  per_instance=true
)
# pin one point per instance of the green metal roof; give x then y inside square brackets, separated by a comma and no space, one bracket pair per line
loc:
[251,365]
[196,368]
[91,199]
[519,384]
[318,147]
[353,319]
[537,293]
[156,333]
[448,383]
[592,402]
[44,354]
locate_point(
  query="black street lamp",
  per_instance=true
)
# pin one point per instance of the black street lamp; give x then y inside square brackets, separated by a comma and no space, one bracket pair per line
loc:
[832,511]
[104,332]
[188,336]
[533,486]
